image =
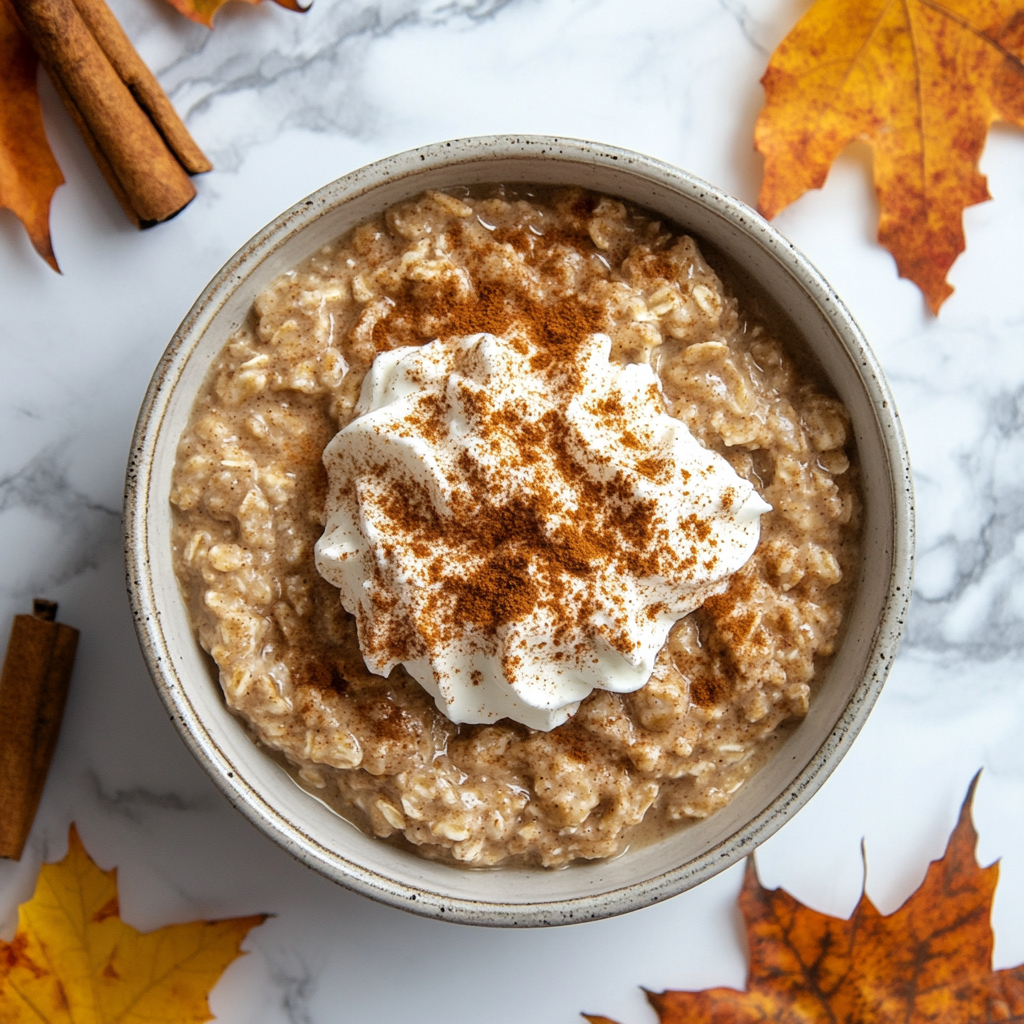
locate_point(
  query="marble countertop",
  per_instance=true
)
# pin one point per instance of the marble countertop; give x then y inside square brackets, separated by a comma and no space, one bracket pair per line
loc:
[283,104]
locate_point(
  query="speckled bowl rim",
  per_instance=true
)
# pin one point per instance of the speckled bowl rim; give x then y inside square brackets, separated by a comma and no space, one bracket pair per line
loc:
[204,745]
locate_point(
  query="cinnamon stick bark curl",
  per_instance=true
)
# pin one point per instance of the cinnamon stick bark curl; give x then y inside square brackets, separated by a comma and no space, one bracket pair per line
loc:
[145,161]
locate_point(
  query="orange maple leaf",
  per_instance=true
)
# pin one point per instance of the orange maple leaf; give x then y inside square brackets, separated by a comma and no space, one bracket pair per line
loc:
[73,959]
[929,961]
[203,11]
[920,81]
[29,174]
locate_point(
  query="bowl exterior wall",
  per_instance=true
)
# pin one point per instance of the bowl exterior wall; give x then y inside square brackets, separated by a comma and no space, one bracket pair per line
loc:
[308,829]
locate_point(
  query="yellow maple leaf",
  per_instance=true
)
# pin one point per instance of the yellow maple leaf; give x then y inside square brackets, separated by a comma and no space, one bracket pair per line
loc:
[920,81]
[73,959]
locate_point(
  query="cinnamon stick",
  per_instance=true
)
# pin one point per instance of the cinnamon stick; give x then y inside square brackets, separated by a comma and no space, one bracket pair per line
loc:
[142,84]
[143,172]
[33,691]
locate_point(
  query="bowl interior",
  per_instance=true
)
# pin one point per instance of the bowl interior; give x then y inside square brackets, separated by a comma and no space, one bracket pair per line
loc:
[310,830]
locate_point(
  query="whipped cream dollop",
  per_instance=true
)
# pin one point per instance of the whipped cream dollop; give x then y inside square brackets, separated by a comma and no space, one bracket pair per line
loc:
[518,530]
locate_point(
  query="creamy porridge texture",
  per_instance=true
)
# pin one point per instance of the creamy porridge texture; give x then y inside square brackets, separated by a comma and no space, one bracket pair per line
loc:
[551,269]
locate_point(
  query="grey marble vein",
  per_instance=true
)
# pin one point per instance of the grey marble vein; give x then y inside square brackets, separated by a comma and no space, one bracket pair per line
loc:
[270,70]
[296,986]
[137,802]
[969,599]
[753,29]
[84,526]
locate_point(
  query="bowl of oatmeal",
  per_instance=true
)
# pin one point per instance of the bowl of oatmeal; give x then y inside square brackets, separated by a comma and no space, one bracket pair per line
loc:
[518,504]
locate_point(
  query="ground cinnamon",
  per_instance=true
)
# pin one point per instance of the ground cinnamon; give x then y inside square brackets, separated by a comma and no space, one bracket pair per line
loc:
[33,690]
[140,145]
[519,563]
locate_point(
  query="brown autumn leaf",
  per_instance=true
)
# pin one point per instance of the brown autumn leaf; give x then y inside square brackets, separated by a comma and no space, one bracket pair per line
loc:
[29,174]
[920,81]
[203,11]
[926,963]
[74,961]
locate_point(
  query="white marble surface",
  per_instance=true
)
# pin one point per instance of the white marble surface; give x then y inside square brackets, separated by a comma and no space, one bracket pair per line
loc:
[284,103]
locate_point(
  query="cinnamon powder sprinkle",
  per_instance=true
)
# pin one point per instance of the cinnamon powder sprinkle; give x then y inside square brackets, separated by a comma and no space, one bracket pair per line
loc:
[551,545]
[519,563]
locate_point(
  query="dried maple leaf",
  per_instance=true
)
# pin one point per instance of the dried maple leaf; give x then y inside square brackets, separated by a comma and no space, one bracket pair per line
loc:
[73,959]
[29,174]
[920,81]
[203,11]
[930,961]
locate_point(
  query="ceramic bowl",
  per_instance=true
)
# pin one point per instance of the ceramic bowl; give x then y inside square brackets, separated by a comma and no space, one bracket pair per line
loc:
[266,795]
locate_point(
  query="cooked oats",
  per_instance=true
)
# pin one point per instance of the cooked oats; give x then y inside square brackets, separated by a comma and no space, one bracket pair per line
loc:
[249,489]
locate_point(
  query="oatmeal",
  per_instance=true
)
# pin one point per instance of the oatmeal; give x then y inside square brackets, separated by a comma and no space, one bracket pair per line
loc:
[250,486]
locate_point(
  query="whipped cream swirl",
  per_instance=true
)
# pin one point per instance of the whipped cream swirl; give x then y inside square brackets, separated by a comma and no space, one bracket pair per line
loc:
[518,530]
